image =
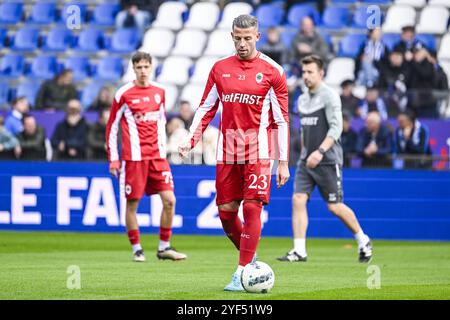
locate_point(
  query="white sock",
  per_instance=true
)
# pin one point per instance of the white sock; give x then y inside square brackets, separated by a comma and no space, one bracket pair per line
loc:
[163,245]
[136,247]
[240,269]
[361,238]
[300,246]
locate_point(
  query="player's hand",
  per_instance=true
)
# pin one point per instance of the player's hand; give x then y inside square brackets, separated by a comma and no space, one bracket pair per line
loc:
[282,173]
[314,159]
[114,168]
[184,149]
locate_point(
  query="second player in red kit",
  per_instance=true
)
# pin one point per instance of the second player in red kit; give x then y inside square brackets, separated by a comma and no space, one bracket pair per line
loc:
[138,108]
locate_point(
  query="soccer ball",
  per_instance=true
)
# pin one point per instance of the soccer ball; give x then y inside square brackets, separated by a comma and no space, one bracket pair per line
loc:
[257,277]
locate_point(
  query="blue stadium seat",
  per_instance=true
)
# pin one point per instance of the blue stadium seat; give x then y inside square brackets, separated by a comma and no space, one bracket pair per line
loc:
[12,65]
[29,89]
[90,93]
[390,40]
[10,12]
[70,9]
[428,40]
[58,39]
[3,34]
[80,67]
[109,68]
[43,13]
[26,39]
[90,40]
[269,15]
[287,36]
[4,93]
[343,2]
[105,13]
[299,11]
[43,67]
[335,17]
[377,1]
[350,45]
[360,18]
[124,40]
[328,39]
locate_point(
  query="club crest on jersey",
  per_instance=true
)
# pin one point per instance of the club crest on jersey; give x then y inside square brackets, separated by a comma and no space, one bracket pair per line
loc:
[157,98]
[259,77]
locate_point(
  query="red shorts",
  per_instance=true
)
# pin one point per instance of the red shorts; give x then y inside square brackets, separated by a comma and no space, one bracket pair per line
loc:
[151,176]
[243,182]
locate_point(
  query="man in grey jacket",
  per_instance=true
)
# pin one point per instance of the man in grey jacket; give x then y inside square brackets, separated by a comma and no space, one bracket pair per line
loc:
[308,41]
[320,161]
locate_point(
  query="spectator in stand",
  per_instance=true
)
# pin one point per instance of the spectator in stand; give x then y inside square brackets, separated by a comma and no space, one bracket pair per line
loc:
[176,132]
[103,100]
[96,137]
[373,102]
[55,94]
[32,140]
[69,140]
[186,113]
[348,139]
[9,145]
[374,142]
[350,103]
[393,77]
[441,79]
[133,15]
[13,122]
[421,82]
[412,139]
[308,41]
[371,55]
[408,41]
[274,47]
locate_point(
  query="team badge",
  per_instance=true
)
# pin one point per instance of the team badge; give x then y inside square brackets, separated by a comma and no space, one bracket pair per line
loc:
[259,77]
[157,98]
[127,189]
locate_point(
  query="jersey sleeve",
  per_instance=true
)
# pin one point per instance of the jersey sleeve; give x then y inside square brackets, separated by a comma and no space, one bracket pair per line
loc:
[279,102]
[112,130]
[206,110]
[333,113]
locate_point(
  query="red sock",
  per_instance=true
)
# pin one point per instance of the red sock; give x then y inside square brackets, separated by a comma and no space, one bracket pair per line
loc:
[165,233]
[133,236]
[232,226]
[251,231]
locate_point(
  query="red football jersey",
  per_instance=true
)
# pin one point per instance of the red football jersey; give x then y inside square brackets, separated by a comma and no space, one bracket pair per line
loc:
[254,100]
[141,114]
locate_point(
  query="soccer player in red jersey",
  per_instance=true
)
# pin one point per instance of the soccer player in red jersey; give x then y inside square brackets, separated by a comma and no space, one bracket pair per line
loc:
[254,131]
[138,108]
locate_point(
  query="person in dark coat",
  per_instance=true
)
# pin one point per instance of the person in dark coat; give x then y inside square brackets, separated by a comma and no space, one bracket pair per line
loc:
[69,141]
[32,140]
[375,142]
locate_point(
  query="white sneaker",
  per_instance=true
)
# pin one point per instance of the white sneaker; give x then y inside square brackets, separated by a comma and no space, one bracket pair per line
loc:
[171,254]
[138,256]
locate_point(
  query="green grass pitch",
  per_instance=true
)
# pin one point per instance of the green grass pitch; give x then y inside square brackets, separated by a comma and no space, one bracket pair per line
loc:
[34,265]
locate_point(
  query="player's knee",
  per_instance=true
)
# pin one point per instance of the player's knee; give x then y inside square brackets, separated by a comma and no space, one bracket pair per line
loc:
[230,206]
[299,199]
[334,208]
[169,202]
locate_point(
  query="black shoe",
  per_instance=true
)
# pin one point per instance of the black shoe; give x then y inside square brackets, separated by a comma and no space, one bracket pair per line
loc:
[365,253]
[292,256]
[138,256]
